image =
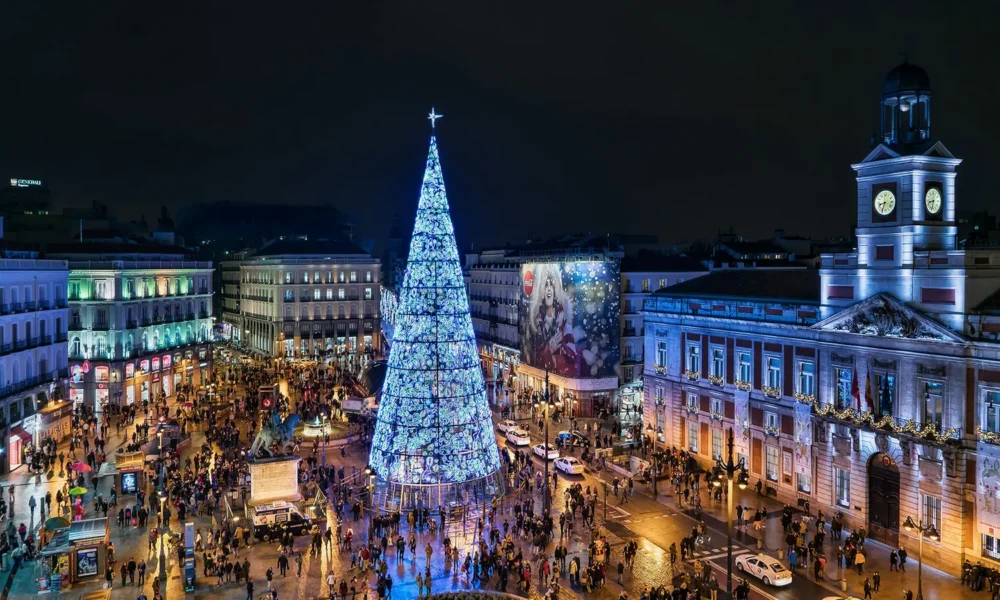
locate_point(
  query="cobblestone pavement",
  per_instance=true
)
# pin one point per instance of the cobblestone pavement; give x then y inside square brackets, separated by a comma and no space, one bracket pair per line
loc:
[653,524]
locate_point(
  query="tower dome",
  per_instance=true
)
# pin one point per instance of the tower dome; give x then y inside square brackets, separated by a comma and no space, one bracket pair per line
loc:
[907,78]
[906,106]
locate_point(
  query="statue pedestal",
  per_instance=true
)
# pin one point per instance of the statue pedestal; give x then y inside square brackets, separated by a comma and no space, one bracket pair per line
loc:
[274,479]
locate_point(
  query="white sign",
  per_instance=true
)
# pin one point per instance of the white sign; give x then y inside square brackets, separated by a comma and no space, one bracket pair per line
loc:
[275,480]
[988,489]
[14,182]
[803,438]
[742,433]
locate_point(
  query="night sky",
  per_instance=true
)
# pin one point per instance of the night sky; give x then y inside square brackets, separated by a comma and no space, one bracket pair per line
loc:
[585,117]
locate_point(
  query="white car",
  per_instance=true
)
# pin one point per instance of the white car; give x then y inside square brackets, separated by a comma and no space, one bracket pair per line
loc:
[764,567]
[569,465]
[539,450]
[506,426]
[518,437]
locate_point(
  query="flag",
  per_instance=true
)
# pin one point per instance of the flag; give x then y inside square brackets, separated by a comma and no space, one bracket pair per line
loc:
[868,393]
[855,392]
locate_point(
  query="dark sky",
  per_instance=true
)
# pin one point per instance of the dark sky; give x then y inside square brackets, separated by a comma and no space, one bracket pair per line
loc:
[665,117]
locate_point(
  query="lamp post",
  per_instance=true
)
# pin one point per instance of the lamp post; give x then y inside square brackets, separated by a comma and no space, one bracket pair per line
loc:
[922,530]
[729,471]
[163,542]
[545,448]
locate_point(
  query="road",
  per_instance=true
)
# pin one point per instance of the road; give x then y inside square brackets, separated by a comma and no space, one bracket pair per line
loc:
[655,526]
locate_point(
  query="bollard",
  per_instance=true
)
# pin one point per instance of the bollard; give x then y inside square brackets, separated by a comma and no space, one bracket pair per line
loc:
[843,584]
[781,554]
[760,544]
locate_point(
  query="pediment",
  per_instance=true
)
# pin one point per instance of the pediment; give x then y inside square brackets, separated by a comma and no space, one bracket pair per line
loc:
[884,316]
[880,152]
[939,151]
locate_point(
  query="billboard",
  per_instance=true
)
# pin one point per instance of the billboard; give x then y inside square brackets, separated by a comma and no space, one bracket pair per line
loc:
[569,318]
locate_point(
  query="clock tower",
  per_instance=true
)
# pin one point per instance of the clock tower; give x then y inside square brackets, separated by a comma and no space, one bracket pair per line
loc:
[906,212]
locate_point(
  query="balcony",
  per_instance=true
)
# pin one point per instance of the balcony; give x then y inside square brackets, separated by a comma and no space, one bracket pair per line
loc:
[34,342]
[131,324]
[43,305]
[61,303]
[203,291]
[20,386]
[76,326]
[925,432]
[5,309]
[46,340]
[101,325]
[16,307]
[30,305]
[629,332]
[62,337]
[204,315]
[145,322]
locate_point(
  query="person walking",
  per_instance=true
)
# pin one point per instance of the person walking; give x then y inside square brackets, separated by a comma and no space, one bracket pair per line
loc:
[298,564]
[859,561]
[249,589]
[868,589]
[269,575]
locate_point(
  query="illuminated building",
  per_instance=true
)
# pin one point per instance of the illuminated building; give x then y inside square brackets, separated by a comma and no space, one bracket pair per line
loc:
[870,387]
[230,326]
[33,320]
[140,322]
[307,299]
[433,441]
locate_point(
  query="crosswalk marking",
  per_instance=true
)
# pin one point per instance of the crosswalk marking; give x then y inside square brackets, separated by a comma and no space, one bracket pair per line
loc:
[714,553]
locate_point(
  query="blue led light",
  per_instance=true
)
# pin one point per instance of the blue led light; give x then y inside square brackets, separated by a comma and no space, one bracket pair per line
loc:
[433,424]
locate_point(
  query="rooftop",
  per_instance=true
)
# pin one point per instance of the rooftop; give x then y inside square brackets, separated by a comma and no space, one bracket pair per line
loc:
[659,263]
[768,285]
[309,248]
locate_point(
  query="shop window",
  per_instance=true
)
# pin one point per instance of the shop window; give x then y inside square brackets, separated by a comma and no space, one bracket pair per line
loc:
[804,483]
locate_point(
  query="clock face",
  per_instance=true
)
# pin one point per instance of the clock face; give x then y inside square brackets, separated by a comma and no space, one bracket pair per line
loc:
[932,199]
[885,202]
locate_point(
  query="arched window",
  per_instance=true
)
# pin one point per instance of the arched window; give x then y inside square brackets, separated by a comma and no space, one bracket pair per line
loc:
[288,313]
[100,347]
[354,311]
[74,347]
[129,344]
[28,369]
[329,311]
[304,313]
[341,311]
[317,312]
[43,365]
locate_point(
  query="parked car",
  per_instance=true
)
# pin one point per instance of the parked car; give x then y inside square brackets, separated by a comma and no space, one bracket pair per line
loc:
[518,437]
[540,451]
[571,437]
[764,567]
[569,465]
[505,426]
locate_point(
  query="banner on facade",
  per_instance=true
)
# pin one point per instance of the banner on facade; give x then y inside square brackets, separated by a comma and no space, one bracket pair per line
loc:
[988,490]
[742,432]
[803,438]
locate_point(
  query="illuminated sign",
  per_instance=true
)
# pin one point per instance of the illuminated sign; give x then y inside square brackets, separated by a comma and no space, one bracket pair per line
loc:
[156,364]
[77,372]
[14,182]
[102,374]
[156,377]
[129,370]
[144,366]
[166,362]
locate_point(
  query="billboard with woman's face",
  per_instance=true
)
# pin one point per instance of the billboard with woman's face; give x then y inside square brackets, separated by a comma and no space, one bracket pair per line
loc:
[569,318]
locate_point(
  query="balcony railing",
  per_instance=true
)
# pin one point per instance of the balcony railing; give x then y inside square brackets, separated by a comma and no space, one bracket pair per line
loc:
[203,314]
[628,332]
[16,306]
[131,324]
[896,425]
[203,290]
[61,337]
[101,326]
[30,305]
[61,303]
[24,384]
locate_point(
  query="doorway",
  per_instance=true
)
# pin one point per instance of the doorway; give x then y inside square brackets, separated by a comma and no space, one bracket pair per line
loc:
[883,499]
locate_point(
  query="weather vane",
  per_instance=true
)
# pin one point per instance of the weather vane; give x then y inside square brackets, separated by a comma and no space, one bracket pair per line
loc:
[433,117]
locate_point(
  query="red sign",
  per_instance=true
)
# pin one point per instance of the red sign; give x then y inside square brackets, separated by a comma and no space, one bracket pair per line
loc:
[129,370]
[266,403]
[529,282]
[144,366]
[166,362]
[156,364]
[156,377]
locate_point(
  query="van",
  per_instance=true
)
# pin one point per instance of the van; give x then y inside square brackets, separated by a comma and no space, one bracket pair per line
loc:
[269,519]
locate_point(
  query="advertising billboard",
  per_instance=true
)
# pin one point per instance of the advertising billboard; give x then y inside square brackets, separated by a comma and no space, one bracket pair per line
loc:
[569,318]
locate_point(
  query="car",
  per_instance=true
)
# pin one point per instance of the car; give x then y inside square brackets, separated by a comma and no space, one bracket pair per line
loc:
[571,436]
[764,567]
[518,437]
[569,465]
[505,426]
[539,450]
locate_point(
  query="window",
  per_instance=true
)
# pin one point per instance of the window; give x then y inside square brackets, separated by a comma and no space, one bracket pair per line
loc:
[305,276]
[663,283]
[658,394]
[774,372]
[354,276]
[288,295]
[340,294]
[933,404]
[627,373]
[340,277]
[627,355]
[806,378]
[772,463]
[368,293]
[692,401]
[717,444]
[661,353]
[368,276]
[717,406]
[932,512]
[316,292]
[329,293]
[804,483]
[992,421]
[645,285]
[843,485]
[101,290]
[316,277]
[886,393]
[771,420]
[991,547]
[693,437]
[694,358]
[660,436]
[844,380]
[745,367]
[718,363]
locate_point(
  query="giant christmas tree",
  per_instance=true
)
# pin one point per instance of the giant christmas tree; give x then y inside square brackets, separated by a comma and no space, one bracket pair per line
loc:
[433,426]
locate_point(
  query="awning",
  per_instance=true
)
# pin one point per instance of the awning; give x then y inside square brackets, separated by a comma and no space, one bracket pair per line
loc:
[19,431]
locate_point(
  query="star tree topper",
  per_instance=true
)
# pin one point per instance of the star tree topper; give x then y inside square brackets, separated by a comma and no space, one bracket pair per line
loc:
[433,117]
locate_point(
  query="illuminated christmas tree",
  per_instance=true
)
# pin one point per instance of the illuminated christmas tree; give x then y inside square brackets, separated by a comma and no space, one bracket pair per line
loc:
[433,426]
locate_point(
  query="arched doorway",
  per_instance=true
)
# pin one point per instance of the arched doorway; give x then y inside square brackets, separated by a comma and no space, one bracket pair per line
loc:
[883,499]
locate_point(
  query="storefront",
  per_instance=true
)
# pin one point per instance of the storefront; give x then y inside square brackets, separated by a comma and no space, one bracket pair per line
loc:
[55,421]
[130,476]
[147,378]
[19,442]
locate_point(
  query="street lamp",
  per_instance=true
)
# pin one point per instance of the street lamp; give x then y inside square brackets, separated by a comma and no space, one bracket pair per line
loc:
[729,471]
[922,530]
[545,450]
[163,542]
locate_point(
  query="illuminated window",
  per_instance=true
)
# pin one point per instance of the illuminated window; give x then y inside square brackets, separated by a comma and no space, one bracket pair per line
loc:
[933,404]
[745,367]
[772,463]
[694,358]
[692,400]
[340,276]
[305,276]
[354,276]
[774,372]
[771,420]
[661,353]
[340,294]
[804,483]
[329,293]
[316,277]
[843,485]
[844,380]
[693,437]
[288,295]
[645,285]
[663,283]
[660,417]
[806,373]
[717,444]
[368,293]
[932,512]
[718,362]
[717,406]
[368,276]
[316,293]
[992,421]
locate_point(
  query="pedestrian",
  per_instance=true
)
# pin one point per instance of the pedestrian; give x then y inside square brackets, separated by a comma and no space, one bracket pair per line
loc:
[298,563]
[269,575]
[868,589]
[893,561]
[859,561]
[876,581]
[902,558]
[249,589]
